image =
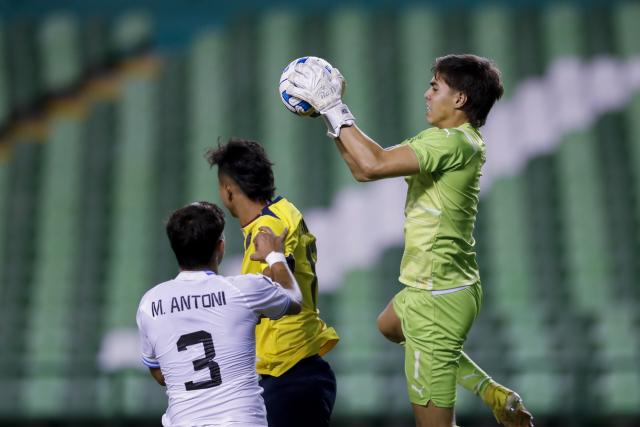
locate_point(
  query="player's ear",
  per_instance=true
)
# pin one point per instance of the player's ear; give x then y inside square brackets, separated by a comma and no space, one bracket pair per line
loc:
[229,190]
[460,100]
[220,250]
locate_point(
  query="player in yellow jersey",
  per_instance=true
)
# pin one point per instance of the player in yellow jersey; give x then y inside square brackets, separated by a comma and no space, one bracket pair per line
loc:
[442,294]
[299,385]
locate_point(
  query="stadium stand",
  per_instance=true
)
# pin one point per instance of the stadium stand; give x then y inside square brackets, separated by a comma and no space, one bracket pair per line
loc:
[103,133]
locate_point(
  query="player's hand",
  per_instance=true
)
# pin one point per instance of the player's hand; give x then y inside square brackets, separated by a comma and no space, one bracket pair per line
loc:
[266,242]
[323,89]
[267,272]
[320,87]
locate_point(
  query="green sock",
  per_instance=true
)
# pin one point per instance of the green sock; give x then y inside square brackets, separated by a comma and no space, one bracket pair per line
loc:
[471,377]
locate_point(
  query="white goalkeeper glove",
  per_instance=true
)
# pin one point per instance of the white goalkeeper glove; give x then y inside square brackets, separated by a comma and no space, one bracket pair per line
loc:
[322,88]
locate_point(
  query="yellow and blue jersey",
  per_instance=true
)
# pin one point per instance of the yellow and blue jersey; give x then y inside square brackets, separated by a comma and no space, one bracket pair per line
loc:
[282,343]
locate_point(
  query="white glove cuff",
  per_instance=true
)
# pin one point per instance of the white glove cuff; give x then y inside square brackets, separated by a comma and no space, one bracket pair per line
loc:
[275,257]
[337,116]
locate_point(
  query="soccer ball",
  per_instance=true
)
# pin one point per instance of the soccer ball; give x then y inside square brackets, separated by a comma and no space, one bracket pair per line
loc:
[294,104]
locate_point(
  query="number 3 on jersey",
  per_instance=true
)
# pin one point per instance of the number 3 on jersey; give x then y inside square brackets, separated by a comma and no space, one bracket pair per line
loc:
[204,338]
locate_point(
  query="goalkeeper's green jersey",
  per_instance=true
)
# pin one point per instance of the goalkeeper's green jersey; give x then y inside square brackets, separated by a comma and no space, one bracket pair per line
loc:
[441,207]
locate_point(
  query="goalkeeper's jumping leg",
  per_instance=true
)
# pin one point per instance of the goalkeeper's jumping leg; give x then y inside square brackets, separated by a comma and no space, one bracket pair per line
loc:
[506,404]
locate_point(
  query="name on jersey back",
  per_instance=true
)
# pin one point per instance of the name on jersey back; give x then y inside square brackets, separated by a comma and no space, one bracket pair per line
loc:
[188,302]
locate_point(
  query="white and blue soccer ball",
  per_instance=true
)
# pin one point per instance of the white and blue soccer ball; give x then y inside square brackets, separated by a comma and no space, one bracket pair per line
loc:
[294,104]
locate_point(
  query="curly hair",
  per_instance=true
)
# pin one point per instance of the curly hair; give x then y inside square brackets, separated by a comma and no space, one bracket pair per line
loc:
[245,162]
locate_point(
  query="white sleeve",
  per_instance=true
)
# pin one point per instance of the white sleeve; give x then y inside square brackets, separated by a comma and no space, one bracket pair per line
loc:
[263,295]
[147,350]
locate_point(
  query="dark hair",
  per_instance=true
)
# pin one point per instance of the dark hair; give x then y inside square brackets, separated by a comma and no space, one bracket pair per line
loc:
[477,77]
[194,232]
[247,164]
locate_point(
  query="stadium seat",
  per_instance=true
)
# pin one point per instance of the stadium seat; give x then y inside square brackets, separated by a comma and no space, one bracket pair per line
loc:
[542,391]
[24,73]
[627,34]
[282,133]
[362,394]
[615,337]
[138,394]
[208,70]
[57,246]
[620,391]
[44,396]
[59,44]
[133,227]
[529,340]
[5,98]
[357,324]
[17,268]
[4,206]
[347,41]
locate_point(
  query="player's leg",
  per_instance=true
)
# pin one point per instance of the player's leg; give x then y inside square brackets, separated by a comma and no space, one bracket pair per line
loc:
[506,405]
[302,396]
[435,328]
[432,416]
[389,324]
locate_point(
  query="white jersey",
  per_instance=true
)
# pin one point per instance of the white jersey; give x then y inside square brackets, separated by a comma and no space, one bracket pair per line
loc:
[199,329]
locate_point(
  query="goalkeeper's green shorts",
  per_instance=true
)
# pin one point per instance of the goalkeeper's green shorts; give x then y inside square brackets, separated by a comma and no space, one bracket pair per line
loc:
[435,328]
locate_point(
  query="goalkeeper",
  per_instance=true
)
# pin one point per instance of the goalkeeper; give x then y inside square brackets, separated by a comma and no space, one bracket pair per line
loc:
[442,294]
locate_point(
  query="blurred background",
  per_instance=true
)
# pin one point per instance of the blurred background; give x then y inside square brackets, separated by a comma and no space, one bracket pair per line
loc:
[106,109]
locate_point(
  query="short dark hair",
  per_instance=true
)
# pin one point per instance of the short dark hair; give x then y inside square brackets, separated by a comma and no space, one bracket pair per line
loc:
[194,232]
[477,77]
[246,162]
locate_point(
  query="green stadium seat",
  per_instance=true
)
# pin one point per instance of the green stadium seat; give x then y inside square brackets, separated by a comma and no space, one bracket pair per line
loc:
[616,335]
[529,340]
[139,394]
[44,396]
[282,134]
[60,49]
[4,197]
[57,245]
[23,69]
[543,391]
[132,229]
[420,42]
[5,98]
[17,267]
[209,117]
[361,394]
[131,32]
[620,391]
[357,324]
[627,34]
[348,35]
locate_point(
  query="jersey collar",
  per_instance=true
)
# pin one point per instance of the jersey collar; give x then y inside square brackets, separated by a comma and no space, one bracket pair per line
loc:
[195,275]
[265,211]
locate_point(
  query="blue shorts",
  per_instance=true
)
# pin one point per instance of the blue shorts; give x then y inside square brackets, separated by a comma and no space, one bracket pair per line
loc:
[302,396]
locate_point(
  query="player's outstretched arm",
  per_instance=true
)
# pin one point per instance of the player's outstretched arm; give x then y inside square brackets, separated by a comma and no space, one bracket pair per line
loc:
[368,161]
[269,249]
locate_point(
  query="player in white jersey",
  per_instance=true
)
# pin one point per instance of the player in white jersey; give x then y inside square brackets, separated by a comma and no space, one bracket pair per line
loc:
[197,330]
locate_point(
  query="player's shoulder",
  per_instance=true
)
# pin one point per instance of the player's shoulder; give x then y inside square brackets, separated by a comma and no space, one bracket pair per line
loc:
[243,282]
[457,135]
[463,138]
[245,278]
[277,215]
[155,291]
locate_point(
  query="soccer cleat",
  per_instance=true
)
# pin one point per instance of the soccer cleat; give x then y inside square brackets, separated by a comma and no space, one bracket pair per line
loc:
[507,406]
